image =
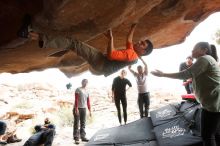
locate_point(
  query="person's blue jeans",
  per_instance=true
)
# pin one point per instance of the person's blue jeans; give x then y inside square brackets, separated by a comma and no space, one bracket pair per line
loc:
[2,127]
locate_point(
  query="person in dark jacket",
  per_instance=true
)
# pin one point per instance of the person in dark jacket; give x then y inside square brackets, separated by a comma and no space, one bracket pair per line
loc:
[119,94]
[44,134]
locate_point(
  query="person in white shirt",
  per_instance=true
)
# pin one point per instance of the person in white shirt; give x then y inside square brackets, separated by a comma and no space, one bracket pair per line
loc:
[143,94]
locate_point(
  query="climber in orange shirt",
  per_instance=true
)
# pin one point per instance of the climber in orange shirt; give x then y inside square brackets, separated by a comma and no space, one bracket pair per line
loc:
[131,52]
[100,64]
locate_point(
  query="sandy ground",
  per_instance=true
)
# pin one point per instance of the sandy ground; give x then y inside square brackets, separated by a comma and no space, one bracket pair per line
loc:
[104,112]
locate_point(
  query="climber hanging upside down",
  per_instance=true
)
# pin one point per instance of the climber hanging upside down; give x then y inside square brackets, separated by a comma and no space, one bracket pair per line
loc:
[100,64]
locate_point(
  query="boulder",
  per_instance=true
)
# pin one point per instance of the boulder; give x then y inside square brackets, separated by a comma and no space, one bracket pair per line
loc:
[164,22]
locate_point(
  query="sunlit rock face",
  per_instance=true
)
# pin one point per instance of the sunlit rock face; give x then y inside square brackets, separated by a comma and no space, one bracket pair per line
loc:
[164,22]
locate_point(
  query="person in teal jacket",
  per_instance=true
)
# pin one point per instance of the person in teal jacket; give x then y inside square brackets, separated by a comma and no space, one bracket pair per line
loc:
[205,73]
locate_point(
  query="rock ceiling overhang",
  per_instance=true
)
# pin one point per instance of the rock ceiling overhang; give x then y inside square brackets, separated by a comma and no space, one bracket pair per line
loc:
[164,22]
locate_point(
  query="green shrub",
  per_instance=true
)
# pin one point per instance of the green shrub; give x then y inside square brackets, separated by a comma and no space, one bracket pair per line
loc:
[23,105]
[64,117]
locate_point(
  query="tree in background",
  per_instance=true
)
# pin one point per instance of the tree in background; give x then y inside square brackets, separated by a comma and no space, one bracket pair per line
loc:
[68,86]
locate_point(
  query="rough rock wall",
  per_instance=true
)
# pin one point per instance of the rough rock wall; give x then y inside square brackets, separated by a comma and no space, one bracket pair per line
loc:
[164,22]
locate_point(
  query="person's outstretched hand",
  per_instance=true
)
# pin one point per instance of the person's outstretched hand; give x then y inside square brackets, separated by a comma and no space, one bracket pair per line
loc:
[108,34]
[33,36]
[157,73]
[113,98]
[133,25]
[76,111]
